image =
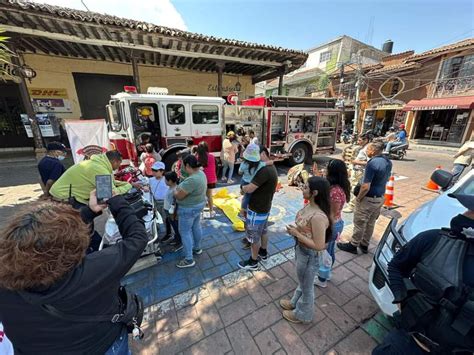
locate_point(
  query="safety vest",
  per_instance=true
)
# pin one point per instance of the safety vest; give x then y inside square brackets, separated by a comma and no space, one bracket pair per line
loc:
[440,306]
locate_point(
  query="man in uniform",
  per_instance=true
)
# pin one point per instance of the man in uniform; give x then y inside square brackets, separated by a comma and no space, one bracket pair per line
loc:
[432,280]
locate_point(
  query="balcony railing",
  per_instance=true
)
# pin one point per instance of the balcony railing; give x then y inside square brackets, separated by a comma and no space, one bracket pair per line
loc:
[452,87]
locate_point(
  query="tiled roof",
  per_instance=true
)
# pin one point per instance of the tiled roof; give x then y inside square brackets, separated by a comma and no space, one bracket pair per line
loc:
[395,67]
[448,48]
[104,19]
[398,55]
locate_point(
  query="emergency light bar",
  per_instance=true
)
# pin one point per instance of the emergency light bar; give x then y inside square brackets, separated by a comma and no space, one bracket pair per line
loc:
[153,90]
[130,89]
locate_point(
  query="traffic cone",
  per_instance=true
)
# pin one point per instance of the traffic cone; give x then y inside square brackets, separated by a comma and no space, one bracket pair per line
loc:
[389,193]
[431,185]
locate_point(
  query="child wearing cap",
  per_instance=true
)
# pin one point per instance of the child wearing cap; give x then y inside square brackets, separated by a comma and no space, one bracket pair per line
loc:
[159,189]
[250,166]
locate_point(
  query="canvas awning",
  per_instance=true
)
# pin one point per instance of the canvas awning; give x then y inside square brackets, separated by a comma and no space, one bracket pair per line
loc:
[446,103]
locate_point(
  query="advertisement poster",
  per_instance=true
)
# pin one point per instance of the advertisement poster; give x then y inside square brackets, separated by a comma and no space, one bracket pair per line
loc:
[50,100]
[87,137]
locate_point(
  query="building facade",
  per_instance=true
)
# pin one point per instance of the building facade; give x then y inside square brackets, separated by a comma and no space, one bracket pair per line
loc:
[431,93]
[69,62]
[322,61]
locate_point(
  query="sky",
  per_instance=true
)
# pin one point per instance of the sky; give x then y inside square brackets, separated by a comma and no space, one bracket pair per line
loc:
[302,24]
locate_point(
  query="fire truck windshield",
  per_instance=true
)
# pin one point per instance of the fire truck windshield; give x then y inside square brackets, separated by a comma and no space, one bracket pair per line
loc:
[113,115]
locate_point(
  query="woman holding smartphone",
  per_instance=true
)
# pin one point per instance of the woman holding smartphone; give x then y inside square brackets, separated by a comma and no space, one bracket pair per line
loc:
[312,230]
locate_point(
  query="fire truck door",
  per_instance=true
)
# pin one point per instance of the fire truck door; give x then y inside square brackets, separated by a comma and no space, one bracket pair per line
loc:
[177,119]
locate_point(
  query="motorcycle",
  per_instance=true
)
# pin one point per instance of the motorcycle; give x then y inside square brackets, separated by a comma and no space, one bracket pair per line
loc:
[398,152]
[141,200]
[347,136]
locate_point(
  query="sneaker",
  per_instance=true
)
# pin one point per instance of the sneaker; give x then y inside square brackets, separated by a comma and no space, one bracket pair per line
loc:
[247,245]
[286,304]
[263,256]
[183,263]
[212,214]
[175,242]
[348,210]
[244,240]
[178,247]
[167,238]
[241,217]
[348,247]
[224,179]
[319,283]
[197,251]
[364,249]
[290,317]
[230,181]
[249,264]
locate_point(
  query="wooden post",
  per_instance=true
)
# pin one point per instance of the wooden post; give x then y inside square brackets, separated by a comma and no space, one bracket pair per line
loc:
[136,76]
[220,70]
[25,98]
[280,82]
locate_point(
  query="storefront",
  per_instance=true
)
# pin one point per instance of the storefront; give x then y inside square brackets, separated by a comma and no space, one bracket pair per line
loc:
[383,115]
[444,121]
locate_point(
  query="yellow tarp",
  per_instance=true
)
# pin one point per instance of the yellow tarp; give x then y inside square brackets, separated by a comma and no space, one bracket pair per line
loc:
[230,205]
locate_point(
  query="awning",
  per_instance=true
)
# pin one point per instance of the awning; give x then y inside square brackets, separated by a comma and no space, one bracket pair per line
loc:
[446,103]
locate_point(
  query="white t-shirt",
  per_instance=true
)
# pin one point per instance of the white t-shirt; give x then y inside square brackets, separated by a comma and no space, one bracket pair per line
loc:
[254,140]
[362,156]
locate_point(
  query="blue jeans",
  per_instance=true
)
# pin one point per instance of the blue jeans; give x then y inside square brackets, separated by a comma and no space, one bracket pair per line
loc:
[307,261]
[391,145]
[120,345]
[398,342]
[457,171]
[227,165]
[245,198]
[189,221]
[337,229]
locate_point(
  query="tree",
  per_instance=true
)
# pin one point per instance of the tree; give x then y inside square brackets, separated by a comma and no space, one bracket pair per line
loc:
[5,56]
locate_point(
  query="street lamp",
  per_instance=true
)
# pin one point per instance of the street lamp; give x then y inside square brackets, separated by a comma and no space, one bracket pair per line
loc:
[24,71]
[238,86]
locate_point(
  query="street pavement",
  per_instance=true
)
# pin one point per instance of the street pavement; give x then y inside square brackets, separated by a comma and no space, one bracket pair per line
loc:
[217,308]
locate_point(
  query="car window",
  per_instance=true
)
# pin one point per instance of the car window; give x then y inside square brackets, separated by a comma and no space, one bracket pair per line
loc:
[467,187]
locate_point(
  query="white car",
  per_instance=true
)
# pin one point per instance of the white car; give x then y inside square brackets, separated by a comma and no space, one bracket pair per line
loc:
[434,214]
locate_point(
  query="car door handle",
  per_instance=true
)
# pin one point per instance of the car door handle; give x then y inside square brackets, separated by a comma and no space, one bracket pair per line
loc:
[177,129]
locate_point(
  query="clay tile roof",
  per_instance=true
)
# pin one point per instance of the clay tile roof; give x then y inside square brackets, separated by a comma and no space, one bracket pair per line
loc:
[448,48]
[395,67]
[105,19]
[398,55]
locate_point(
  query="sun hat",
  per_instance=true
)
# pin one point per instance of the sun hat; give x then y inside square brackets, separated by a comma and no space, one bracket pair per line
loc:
[252,153]
[230,134]
[158,166]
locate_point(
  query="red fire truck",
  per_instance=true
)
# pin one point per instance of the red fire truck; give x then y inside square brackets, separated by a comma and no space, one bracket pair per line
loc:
[293,128]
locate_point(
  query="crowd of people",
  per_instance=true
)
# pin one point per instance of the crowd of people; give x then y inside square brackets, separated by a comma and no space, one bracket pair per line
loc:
[52,271]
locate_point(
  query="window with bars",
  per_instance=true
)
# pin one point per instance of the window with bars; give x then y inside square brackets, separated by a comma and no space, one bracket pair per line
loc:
[325,56]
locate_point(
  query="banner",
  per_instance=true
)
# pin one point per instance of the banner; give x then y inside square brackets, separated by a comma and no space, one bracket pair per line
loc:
[87,137]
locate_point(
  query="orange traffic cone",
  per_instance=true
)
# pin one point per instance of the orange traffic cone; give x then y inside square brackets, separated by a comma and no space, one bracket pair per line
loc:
[389,193]
[431,185]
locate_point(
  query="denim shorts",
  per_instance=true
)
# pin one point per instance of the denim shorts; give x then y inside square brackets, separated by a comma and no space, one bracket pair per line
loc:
[256,225]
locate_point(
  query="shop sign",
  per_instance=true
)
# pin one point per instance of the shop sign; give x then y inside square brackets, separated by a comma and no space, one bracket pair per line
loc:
[50,100]
[51,93]
[227,89]
[428,108]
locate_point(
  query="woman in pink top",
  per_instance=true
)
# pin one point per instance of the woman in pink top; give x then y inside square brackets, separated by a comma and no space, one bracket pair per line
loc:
[339,194]
[208,162]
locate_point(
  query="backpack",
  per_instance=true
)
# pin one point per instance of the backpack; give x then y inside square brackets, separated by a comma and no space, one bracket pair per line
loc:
[297,175]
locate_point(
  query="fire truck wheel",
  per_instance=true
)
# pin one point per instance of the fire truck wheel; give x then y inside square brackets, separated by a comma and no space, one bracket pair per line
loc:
[169,160]
[299,154]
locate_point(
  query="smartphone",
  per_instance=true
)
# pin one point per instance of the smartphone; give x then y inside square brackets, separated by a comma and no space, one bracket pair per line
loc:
[103,186]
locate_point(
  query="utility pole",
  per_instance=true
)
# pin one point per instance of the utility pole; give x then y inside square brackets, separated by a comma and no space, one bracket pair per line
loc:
[358,84]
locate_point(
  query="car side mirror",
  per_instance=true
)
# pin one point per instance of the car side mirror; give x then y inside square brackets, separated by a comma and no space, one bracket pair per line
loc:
[442,178]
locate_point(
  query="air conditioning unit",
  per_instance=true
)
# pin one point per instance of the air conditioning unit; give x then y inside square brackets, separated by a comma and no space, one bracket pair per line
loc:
[157,91]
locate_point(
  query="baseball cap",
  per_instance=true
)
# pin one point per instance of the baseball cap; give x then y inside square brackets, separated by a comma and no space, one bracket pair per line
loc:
[158,166]
[56,146]
[230,134]
[464,199]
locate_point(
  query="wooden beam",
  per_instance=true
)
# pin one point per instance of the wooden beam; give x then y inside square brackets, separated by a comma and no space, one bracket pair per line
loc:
[27,19]
[196,47]
[102,42]
[84,31]
[109,53]
[40,45]
[11,18]
[80,49]
[140,38]
[71,29]
[71,49]
[62,49]
[188,46]
[26,45]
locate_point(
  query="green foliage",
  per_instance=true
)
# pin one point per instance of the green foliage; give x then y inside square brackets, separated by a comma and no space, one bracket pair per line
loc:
[5,55]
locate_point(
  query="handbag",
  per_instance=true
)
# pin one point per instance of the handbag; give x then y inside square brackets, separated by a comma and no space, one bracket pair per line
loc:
[130,313]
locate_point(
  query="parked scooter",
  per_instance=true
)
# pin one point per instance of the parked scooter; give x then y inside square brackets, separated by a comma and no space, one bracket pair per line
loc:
[347,136]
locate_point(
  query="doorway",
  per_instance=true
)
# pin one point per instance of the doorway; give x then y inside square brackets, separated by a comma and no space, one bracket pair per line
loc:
[94,90]
[12,132]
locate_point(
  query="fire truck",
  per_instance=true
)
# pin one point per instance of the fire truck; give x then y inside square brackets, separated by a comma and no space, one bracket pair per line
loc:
[291,128]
